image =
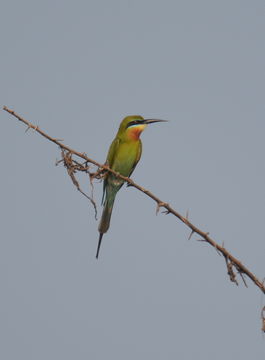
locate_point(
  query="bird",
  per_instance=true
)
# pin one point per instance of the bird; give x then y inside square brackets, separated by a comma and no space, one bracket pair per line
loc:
[123,155]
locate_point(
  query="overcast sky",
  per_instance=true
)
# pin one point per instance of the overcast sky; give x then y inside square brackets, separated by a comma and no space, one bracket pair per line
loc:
[75,69]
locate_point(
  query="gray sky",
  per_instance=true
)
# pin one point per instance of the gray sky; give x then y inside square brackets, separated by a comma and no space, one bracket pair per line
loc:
[76,68]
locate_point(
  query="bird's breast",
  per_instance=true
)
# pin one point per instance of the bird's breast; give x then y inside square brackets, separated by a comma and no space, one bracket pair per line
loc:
[127,156]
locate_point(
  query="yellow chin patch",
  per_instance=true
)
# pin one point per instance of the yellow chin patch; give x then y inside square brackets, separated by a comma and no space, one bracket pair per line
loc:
[135,131]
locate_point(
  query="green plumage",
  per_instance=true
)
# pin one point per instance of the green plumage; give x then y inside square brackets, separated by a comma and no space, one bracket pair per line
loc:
[124,154]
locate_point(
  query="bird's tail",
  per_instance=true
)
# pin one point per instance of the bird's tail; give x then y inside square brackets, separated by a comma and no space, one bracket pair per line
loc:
[105,218]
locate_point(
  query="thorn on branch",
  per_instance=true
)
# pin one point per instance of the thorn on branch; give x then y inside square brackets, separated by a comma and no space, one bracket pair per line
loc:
[243,279]
[57,162]
[30,126]
[219,252]
[159,205]
[192,232]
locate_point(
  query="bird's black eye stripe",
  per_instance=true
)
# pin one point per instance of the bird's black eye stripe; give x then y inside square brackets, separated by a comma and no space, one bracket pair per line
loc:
[134,122]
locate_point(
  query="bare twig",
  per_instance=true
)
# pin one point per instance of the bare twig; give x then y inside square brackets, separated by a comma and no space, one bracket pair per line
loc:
[231,262]
[230,271]
[72,166]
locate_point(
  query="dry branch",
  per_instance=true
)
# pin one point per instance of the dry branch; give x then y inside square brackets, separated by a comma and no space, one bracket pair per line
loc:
[72,167]
[232,263]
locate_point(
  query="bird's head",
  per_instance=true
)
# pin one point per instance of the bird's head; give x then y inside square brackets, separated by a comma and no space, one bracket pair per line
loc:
[133,125]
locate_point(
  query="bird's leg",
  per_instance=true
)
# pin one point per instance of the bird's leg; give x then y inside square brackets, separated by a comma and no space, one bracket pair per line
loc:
[99,174]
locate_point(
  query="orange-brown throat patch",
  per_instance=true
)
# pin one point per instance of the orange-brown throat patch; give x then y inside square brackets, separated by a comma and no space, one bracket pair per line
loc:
[135,131]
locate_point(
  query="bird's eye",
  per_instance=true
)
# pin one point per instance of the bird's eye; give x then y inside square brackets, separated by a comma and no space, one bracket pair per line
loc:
[133,123]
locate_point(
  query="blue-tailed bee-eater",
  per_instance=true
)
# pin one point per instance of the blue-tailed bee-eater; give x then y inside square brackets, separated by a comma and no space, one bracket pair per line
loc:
[124,153]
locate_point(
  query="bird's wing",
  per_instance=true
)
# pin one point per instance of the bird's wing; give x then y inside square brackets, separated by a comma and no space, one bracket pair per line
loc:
[137,158]
[110,159]
[112,152]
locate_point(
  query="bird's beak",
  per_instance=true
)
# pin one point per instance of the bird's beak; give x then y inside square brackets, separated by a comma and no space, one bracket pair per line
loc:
[151,121]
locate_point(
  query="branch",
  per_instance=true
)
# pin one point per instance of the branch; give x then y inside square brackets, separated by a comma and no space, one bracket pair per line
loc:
[232,263]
